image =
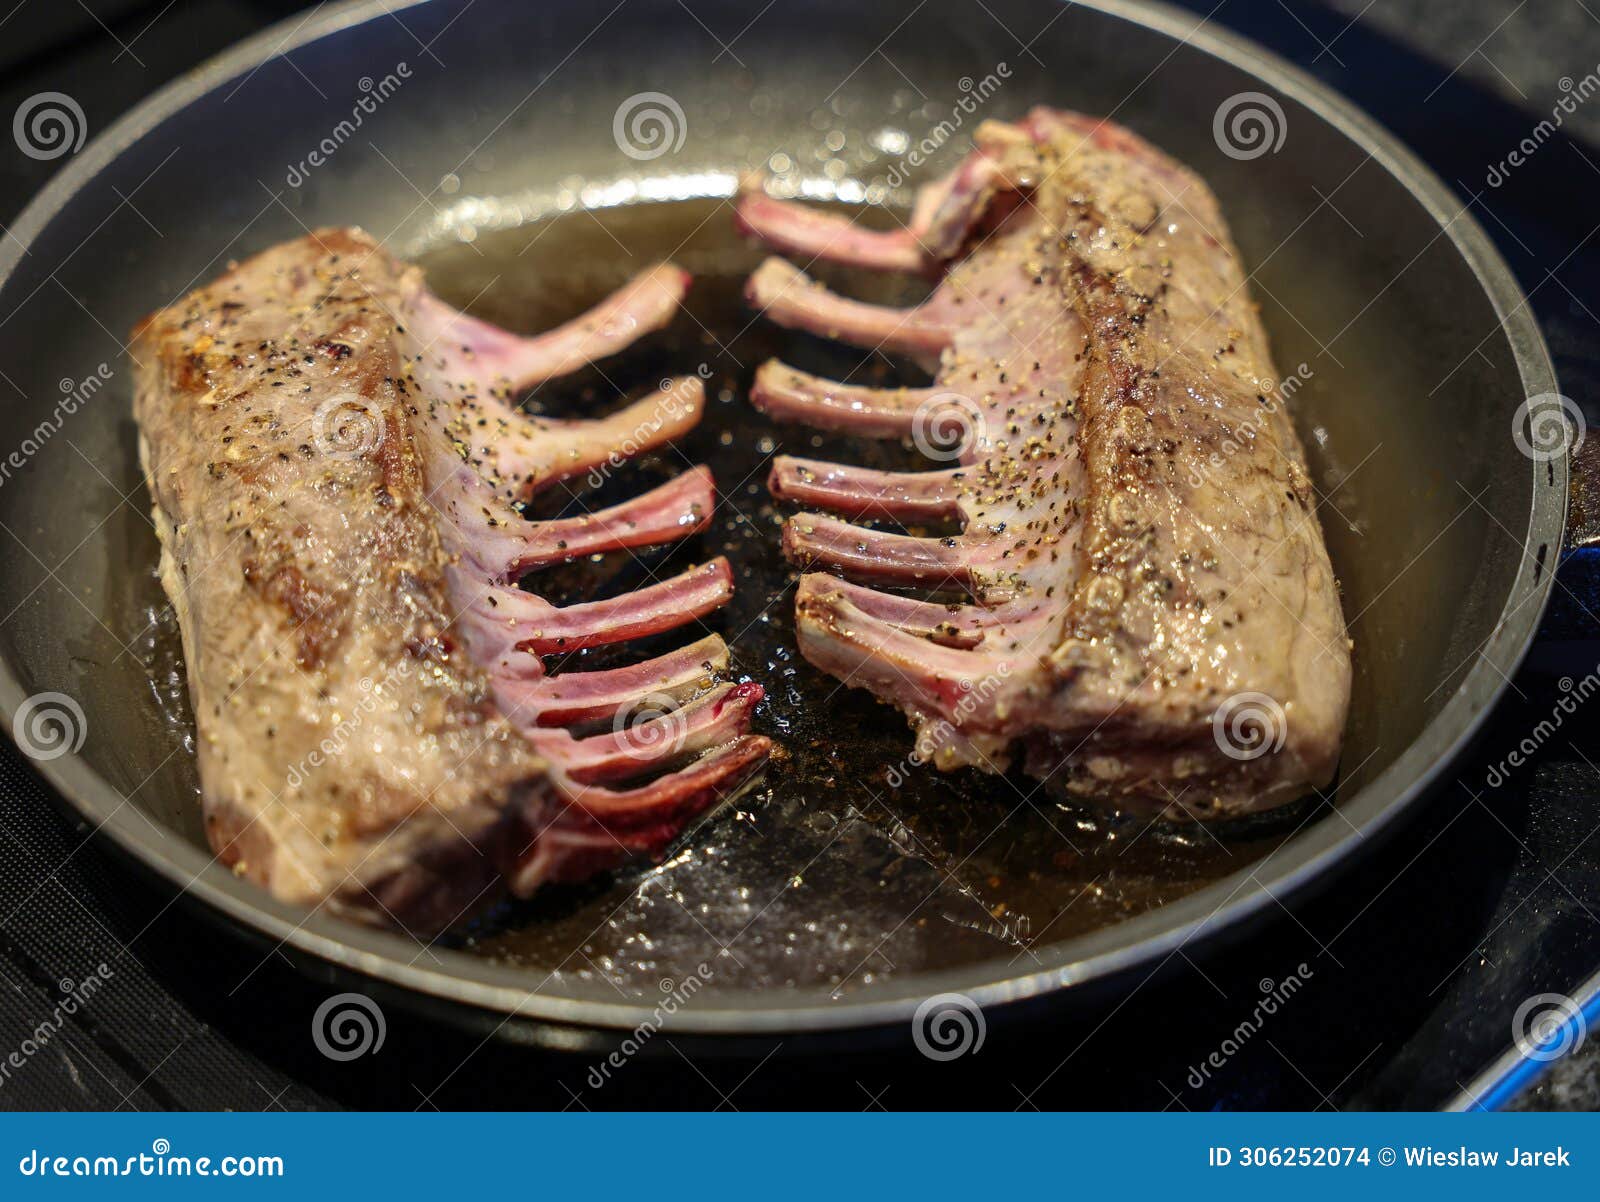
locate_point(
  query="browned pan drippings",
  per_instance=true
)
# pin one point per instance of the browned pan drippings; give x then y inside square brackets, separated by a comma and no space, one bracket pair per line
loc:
[849,862]
[868,884]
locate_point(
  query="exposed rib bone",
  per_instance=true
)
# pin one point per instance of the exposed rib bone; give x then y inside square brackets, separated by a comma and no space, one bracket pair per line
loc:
[790,395]
[943,217]
[859,492]
[602,827]
[710,720]
[474,350]
[508,620]
[665,514]
[874,556]
[671,794]
[840,638]
[482,454]
[796,229]
[959,626]
[1128,579]
[577,699]
[521,455]
[791,298]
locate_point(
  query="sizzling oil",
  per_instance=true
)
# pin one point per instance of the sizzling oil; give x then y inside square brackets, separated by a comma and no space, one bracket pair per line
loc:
[849,863]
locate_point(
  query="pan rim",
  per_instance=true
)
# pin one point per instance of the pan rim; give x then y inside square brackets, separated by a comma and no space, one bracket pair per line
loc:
[1109,952]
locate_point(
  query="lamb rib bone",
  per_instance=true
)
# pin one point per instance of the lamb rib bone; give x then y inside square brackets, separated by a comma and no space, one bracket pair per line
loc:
[1151,619]
[335,459]
[489,454]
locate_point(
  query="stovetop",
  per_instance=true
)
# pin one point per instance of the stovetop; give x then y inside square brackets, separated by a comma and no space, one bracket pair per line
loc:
[1411,967]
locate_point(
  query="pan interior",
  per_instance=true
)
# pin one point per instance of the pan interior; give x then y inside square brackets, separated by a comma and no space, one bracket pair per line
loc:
[832,875]
[851,861]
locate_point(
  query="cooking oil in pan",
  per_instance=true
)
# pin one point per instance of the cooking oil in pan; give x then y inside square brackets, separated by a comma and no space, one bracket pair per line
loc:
[849,862]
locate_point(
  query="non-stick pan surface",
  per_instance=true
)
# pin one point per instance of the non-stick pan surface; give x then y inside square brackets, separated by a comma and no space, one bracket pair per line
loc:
[533,156]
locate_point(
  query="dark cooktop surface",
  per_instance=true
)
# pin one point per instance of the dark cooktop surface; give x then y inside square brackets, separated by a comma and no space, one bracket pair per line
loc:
[1415,962]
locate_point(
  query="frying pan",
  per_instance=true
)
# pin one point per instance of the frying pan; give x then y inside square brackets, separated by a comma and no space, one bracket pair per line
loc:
[532,156]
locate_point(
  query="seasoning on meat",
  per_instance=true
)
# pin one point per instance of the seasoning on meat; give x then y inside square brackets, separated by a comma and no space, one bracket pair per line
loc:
[335,458]
[1146,612]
